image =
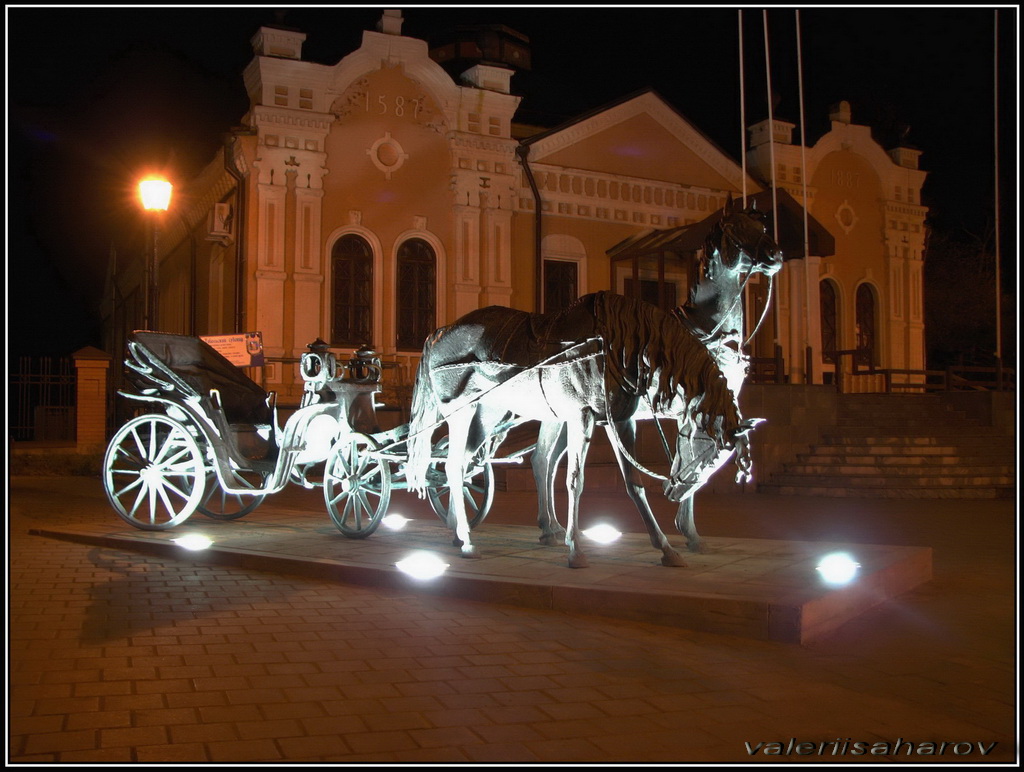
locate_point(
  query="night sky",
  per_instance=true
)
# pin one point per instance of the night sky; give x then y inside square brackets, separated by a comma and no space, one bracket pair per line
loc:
[97,94]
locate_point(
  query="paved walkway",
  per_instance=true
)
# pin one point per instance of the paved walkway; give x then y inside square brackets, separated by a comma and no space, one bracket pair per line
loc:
[120,657]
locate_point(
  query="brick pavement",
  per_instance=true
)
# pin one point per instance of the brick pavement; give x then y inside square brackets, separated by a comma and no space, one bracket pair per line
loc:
[117,657]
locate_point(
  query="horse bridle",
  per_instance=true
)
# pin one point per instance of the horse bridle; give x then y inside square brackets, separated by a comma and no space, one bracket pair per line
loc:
[704,337]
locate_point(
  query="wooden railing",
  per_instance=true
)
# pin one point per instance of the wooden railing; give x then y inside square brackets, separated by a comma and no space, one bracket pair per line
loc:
[768,369]
[953,378]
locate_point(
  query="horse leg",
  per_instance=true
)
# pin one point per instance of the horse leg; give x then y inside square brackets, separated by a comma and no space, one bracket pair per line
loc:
[550,447]
[459,424]
[686,526]
[578,434]
[635,490]
[685,512]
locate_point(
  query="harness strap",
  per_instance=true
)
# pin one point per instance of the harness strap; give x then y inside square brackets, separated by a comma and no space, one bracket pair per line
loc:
[764,313]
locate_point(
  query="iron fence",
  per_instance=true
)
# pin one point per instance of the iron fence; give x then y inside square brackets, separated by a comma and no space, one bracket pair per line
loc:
[41,404]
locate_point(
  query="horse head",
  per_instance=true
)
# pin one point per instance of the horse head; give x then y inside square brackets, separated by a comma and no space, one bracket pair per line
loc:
[739,244]
[736,247]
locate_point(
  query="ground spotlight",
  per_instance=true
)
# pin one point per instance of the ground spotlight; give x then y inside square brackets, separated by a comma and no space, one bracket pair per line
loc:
[422,565]
[194,542]
[838,568]
[395,522]
[603,534]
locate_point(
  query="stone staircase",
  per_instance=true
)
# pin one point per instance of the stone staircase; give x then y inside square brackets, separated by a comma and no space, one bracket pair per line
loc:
[902,446]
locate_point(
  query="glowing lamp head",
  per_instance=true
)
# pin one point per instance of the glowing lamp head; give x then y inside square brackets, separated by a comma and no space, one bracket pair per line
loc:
[838,568]
[194,542]
[155,194]
[395,522]
[603,534]
[422,566]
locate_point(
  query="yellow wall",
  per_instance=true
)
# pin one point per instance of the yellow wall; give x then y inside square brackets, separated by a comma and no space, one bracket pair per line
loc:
[849,203]
[391,107]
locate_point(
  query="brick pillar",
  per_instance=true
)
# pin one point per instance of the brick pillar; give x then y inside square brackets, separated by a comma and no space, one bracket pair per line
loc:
[91,365]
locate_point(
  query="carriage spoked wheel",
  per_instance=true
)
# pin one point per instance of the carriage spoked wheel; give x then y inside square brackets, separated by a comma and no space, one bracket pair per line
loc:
[478,489]
[153,472]
[219,504]
[357,486]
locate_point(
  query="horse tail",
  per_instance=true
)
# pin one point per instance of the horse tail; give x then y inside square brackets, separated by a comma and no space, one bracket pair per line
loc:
[425,415]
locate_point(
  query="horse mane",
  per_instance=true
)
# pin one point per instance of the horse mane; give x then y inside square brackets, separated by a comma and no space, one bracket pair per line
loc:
[643,342]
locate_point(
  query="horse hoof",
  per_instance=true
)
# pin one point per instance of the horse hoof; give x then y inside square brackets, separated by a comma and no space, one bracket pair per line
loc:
[698,547]
[673,560]
[549,539]
[471,553]
[578,561]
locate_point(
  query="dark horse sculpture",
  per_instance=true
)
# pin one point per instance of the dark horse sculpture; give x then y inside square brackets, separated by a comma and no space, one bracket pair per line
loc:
[714,313]
[735,248]
[605,359]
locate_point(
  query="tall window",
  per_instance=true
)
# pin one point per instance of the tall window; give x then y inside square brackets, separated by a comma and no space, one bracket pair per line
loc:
[829,321]
[866,325]
[416,289]
[352,307]
[561,284]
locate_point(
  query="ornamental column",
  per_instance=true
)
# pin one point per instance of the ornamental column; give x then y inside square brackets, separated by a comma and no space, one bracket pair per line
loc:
[269,272]
[465,275]
[309,269]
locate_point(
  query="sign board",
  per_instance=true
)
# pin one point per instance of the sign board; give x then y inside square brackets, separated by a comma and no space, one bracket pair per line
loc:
[243,349]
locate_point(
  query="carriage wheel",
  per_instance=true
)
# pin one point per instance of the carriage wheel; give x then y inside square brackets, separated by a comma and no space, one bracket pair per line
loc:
[153,472]
[221,505]
[478,491]
[357,486]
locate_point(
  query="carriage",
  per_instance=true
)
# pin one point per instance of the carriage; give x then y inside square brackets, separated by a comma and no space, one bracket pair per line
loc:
[208,439]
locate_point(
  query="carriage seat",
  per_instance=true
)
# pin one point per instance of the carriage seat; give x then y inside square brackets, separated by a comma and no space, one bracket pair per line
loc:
[201,368]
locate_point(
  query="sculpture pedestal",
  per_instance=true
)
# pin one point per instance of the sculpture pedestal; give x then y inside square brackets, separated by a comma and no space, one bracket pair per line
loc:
[755,588]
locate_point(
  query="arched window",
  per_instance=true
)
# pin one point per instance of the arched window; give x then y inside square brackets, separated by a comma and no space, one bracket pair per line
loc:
[829,321]
[564,271]
[866,319]
[561,282]
[416,289]
[352,296]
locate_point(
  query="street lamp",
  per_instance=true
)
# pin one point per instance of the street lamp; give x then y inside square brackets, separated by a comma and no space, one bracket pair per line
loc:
[155,194]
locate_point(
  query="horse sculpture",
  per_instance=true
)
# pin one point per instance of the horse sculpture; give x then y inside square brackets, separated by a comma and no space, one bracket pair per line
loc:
[714,313]
[605,359]
[735,249]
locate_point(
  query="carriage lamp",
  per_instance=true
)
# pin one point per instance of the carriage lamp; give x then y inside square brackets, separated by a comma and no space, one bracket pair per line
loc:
[155,194]
[602,534]
[837,568]
[194,542]
[422,565]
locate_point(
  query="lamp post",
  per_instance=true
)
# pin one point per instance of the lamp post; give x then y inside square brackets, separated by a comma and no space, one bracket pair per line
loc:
[155,194]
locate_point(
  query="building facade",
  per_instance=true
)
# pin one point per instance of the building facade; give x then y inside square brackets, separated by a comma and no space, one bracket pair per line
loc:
[369,202]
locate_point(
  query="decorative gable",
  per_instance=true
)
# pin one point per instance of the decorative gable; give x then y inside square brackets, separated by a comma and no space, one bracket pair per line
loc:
[642,138]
